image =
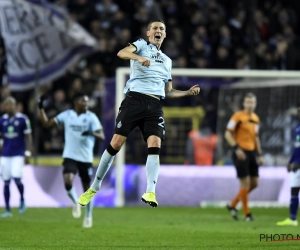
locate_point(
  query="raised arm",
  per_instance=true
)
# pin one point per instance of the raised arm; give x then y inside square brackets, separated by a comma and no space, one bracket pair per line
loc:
[44,119]
[128,54]
[173,93]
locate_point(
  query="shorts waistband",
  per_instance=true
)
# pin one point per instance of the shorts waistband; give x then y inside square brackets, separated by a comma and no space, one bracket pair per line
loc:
[138,94]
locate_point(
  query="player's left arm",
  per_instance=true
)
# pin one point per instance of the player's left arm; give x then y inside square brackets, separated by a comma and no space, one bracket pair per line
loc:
[258,146]
[99,134]
[28,140]
[174,93]
[96,129]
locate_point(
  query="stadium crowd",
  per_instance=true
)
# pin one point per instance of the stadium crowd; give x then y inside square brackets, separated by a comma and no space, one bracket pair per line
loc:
[200,34]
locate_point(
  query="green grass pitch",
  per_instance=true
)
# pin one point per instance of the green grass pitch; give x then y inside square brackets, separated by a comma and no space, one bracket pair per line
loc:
[143,228]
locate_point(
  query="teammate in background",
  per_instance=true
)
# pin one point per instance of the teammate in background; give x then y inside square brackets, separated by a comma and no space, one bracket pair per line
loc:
[242,137]
[15,130]
[81,127]
[294,168]
[150,80]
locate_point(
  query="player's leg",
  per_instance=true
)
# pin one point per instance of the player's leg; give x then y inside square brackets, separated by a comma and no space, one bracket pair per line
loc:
[69,172]
[106,160]
[152,170]
[6,176]
[244,178]
[254,180]
[86,173]
[130,112]
[253,170]
[17,173]
[245,184]
[153,129]
[294,202]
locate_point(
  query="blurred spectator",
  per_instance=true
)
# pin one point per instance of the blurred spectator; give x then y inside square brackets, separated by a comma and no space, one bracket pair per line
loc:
[222,59]
[201,145]
[200,34]
[53,141]
[106,10]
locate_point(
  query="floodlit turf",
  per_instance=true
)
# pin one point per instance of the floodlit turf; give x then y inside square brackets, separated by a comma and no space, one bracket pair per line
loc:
[143,228]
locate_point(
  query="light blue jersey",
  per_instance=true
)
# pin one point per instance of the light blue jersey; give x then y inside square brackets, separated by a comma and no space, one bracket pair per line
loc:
[78,147]
[149,80]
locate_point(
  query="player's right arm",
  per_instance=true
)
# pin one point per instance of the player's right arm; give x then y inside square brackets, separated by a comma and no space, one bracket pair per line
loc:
[229,136]
[42,114]
[130,53]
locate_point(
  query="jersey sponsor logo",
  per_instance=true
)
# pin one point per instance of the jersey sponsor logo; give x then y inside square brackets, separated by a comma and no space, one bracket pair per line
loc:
[297,142]
[77,128]
[11,133]
[158,58]
[119,125]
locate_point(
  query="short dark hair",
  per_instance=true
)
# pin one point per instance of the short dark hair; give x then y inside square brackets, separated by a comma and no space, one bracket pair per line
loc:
[153,21]
[77,95]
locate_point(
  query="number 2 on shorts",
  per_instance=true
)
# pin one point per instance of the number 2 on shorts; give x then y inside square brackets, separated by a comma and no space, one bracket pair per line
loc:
[161,124]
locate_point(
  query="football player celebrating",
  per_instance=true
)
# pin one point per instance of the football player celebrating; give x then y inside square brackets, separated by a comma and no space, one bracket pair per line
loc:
[81,128]
[150,80]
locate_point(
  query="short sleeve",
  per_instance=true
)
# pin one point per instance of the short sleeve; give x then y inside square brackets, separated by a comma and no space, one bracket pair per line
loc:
[95,123]
[234,120]
[27,125]
[60,118]
[139,44]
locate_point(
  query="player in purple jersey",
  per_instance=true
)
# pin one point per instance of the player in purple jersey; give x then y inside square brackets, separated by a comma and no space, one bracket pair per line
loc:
[15,131]
[294,169]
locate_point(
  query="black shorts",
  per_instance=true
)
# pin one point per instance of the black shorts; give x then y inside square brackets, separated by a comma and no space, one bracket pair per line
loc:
[143,111]
[85,169]
[248,167]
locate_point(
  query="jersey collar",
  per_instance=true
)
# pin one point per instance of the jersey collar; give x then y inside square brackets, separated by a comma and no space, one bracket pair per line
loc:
[148,43]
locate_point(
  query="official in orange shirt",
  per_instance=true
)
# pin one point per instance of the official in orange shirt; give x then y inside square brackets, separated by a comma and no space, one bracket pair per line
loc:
[242,135]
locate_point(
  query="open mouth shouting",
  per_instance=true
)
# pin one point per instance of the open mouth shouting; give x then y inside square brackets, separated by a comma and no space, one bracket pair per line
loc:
[157,37]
